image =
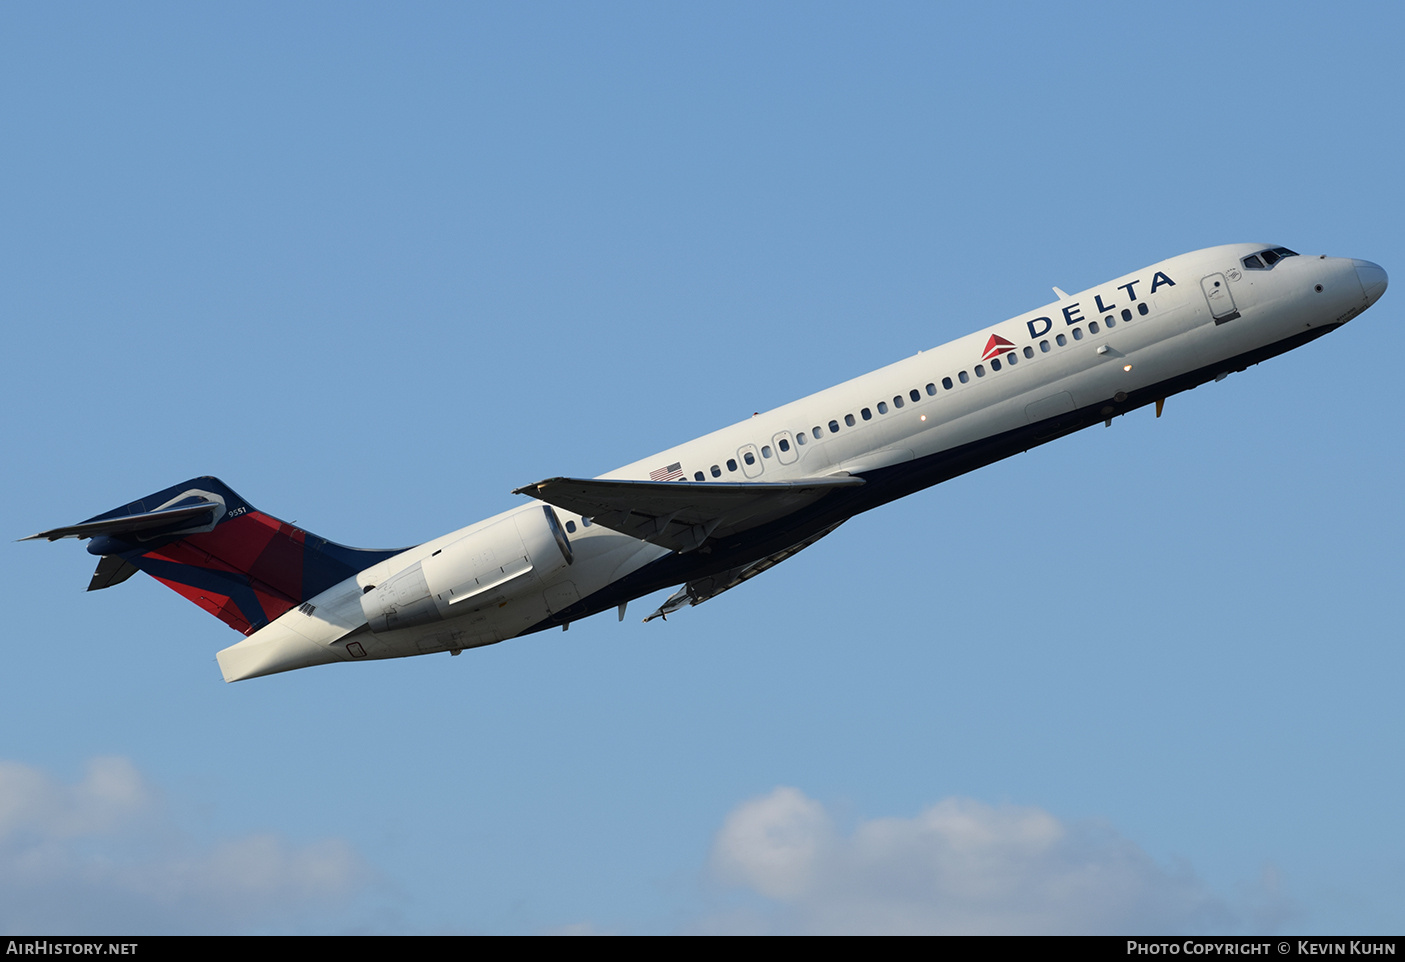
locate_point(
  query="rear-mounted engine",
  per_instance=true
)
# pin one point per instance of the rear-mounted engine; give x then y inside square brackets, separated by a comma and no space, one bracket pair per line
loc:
[494,564]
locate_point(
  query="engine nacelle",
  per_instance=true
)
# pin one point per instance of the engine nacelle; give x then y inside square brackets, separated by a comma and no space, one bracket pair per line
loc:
[494,564]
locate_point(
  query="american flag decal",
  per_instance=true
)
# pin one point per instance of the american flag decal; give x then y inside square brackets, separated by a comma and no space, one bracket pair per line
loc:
[670,473]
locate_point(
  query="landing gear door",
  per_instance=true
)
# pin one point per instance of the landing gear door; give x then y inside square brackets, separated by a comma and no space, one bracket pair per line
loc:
[1219,298]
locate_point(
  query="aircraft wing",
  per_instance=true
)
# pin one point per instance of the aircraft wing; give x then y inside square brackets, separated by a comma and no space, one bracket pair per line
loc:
[682,515]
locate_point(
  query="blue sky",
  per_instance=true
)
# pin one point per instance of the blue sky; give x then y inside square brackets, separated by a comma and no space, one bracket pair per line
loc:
[376,266]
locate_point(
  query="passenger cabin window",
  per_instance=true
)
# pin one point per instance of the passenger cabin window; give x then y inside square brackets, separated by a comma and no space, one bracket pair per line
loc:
[833,427]
[882,407]
[731,464]
[698,476]
[931,390]
[963,377]
[914,394]
[866,414]
[946,383]
[849,420]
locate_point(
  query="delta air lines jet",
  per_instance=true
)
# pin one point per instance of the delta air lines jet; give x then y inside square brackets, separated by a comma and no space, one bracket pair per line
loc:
[715,512]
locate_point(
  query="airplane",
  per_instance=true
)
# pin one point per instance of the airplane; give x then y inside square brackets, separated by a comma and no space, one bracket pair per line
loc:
[715,512]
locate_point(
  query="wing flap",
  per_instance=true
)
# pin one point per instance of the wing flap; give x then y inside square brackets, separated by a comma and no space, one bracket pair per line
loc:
[681,516]
[696,592]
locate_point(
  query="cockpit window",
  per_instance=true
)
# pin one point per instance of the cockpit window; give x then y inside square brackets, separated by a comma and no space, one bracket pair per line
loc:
[1269,257]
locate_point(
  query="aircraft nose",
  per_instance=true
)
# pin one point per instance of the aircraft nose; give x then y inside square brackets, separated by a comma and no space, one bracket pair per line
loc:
[1373,280]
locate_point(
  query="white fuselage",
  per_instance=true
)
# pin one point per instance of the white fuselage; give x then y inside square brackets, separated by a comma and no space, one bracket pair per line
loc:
[1081,359]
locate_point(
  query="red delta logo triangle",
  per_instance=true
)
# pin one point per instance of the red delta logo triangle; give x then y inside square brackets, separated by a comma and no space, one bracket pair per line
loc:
[996,345]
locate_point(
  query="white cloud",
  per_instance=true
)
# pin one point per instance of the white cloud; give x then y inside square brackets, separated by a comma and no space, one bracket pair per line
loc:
[31,802]
[958,867]
[102,855]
